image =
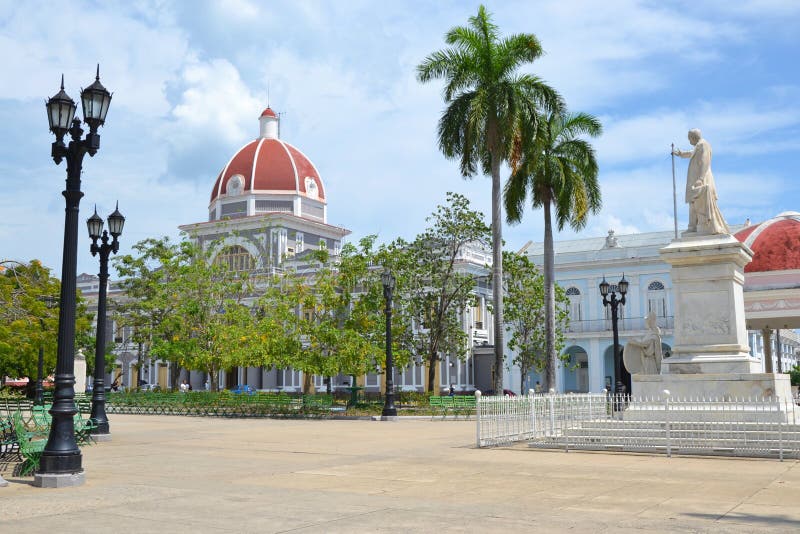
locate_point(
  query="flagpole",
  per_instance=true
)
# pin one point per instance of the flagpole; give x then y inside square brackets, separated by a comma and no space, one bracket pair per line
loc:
[674,193]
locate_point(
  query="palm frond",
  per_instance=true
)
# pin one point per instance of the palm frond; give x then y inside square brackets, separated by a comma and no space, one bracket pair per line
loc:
[516,50]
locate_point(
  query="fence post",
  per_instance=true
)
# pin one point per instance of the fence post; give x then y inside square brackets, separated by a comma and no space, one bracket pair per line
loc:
[552,414]
[531,403]
[591,413]
[780,428]
[478,415]
[666,423]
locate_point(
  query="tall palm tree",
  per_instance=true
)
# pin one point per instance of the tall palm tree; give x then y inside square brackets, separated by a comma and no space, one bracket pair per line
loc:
[487,102]
[558,169]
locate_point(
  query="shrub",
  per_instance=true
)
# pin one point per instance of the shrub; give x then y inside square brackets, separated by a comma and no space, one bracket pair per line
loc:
[794,375]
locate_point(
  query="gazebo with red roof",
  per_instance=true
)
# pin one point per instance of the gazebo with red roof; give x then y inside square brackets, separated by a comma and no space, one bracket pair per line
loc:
[772,279]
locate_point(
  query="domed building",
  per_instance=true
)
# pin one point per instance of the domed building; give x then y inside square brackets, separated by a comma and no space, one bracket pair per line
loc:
[772,283]
[268,204]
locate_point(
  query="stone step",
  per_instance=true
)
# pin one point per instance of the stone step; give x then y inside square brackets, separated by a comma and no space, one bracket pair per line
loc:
[739,437]
[743,415]
[690,425]
[677,446]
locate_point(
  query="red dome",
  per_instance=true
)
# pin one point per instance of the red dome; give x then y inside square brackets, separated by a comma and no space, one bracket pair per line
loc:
[270,165]
[775,243]
[268,113]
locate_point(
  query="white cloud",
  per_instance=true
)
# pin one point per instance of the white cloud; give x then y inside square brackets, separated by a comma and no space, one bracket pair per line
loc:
[214,102]
[138,56]
[731,127]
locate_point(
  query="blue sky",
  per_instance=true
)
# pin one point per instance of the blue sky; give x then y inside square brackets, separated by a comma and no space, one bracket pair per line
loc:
[190,79]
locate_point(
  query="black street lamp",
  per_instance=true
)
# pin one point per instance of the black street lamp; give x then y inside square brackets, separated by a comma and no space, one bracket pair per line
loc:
[614,302]
[60,464]
[38,398]
[389,410]
[95,225]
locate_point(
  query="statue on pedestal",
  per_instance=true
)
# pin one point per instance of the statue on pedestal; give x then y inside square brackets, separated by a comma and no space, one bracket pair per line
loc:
[701,192]
[643,355]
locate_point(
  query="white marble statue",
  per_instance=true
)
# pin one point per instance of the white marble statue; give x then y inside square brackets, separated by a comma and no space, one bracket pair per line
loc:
[701,192]
[643,355]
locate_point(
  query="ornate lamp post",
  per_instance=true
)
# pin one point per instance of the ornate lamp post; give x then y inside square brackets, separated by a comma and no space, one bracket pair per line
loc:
[38,399]
[95,225]
[614,302]
[389,410]
[60,463]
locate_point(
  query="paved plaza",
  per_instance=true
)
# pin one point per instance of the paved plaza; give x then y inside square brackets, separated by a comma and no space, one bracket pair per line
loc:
[181,474]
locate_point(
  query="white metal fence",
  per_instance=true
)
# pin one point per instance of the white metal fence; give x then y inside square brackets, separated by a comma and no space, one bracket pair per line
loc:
[756,427]
[503,420]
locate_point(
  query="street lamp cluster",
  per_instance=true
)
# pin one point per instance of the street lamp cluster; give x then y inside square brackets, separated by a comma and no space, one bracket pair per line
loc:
[95,225]
[60,463]
[610,299]
[389,409]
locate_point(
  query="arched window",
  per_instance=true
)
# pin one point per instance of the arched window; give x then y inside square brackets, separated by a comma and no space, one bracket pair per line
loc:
[236,258]
[575,311]
[657,299]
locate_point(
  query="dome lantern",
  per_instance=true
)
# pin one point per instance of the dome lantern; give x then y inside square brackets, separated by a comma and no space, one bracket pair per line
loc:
[269,123]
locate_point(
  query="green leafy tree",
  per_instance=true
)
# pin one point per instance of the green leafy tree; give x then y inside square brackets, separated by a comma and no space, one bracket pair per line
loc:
[211,326]
[29,322]
[433,288]
[794,375]
[525,314]
[188,309]
[488,102]
[557,169]
[340,318]
[150,299]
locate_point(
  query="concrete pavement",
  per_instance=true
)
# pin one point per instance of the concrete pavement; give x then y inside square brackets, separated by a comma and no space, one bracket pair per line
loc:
[182,474]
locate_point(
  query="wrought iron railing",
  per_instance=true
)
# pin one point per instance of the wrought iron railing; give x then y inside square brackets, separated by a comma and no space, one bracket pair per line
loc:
[624,324]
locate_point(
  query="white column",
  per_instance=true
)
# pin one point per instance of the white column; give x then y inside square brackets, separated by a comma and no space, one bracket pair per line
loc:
[596,363]
[559,376]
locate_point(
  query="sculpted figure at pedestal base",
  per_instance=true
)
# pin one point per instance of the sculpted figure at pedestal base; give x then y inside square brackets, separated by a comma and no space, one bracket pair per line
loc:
[643,355]
[701,192]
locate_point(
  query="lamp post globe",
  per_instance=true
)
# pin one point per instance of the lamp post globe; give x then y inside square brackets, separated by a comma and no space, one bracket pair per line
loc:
[389,410]
[94,225]
[60,112]
[61,461]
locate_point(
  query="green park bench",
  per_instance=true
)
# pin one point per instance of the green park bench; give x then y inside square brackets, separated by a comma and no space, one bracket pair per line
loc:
[441,404]
[317,403]
[9,448]
[464,404]
[31,445]
[457,405]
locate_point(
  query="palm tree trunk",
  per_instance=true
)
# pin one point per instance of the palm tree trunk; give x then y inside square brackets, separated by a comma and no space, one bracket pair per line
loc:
[549,302]
[497,275]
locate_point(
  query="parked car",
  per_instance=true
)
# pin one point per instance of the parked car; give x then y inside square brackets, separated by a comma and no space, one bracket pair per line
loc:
[149,387]
[243,388]
[507,392]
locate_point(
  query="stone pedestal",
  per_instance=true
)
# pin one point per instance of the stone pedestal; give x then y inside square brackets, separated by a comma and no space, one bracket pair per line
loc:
[60,480]
[80,372]
[711,357]
[710,333]
[724,386]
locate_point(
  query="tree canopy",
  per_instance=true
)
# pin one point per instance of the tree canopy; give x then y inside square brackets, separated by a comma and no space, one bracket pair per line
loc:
[525,315]
[29,319]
